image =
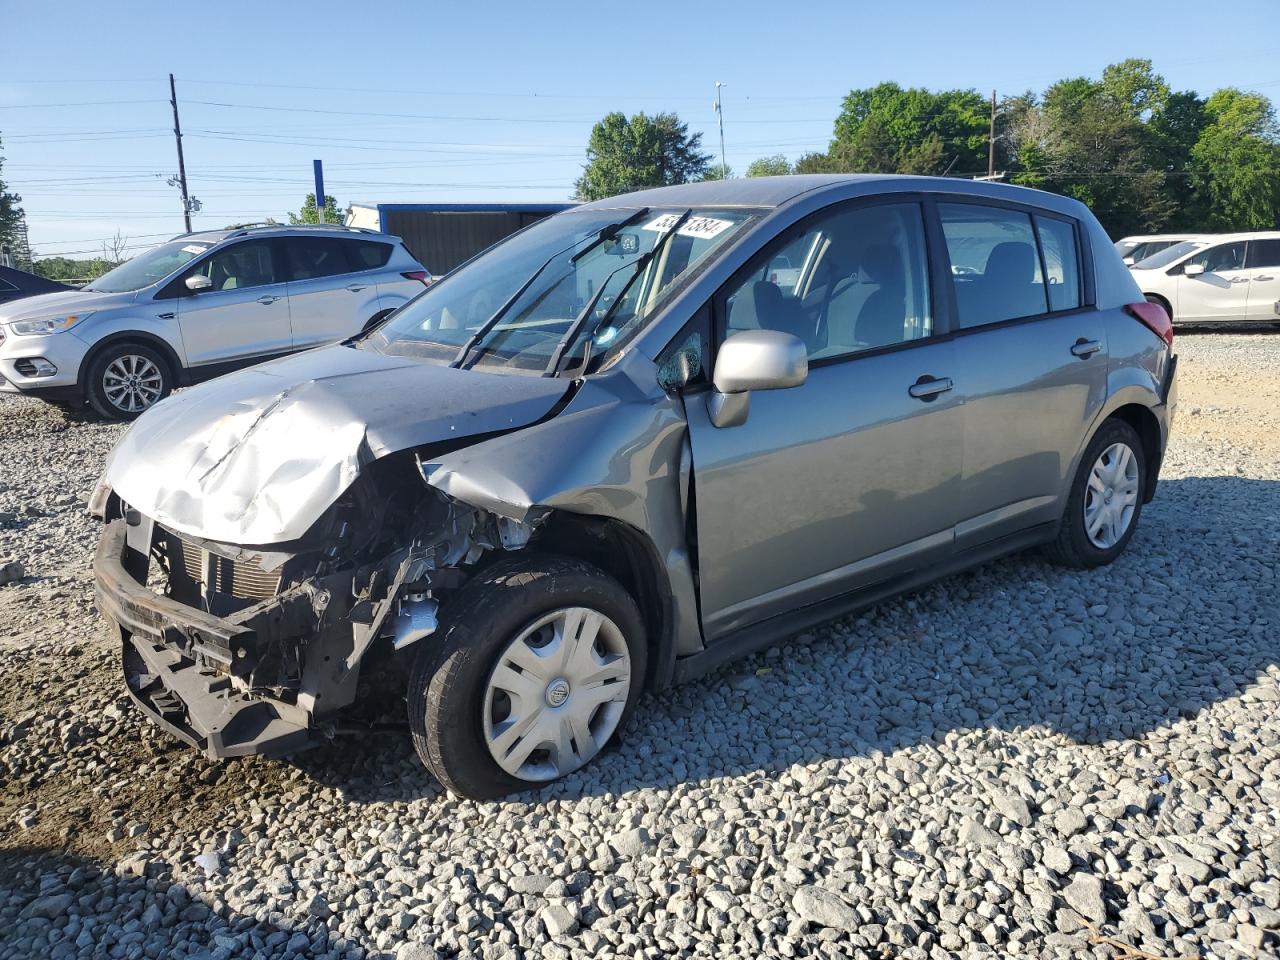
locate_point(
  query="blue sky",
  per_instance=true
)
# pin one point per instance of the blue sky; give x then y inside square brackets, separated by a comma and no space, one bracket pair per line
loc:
[488,101]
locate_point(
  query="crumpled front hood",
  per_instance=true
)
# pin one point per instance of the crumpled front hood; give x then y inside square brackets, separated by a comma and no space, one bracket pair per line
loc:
[256,457]
[60,302]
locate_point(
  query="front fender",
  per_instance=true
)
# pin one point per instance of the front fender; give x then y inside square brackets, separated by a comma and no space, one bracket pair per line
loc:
[603,456]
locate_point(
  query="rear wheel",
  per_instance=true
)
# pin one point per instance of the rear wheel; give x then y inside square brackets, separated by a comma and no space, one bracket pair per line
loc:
[542,660]
[127,378]
[1105,500]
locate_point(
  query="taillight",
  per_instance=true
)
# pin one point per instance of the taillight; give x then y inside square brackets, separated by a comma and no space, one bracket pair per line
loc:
[1154,317]
[421,276]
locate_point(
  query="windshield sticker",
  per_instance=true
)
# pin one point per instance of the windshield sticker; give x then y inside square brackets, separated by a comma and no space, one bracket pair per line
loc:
[702,228]
[194,248]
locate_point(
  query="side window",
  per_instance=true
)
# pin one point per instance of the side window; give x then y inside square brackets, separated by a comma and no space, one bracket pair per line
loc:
[1061,261]
[995,265]
[6,286]
[241,265]
[1263,253]
[313,257]
[1225,256]
[850,280]
[684,362]
[366,254]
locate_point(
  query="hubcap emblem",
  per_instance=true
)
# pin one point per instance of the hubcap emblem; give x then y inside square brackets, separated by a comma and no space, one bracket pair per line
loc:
[557,692]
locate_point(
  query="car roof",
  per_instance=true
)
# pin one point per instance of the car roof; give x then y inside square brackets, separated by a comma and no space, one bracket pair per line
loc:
[272,229]
[779,191]
[1228,237]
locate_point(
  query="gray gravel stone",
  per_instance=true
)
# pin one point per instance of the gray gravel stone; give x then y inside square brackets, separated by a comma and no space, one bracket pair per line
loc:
[1084,894]
[826,909]
[857,791]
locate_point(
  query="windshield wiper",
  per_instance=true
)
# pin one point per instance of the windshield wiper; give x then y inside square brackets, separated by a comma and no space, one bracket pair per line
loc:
[580,321]
[607,232]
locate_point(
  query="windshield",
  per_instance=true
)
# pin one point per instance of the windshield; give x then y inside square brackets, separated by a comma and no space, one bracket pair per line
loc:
[145,269]
[542,280]
[1169,255]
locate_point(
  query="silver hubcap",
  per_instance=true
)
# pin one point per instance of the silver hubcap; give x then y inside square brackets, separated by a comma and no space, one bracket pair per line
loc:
[132,383]
[557,694]
[1112,496]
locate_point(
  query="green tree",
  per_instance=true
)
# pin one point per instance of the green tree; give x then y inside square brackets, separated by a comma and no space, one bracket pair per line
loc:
[814,162]
[10,211]
[1176,129]
[1094,140]
[625,154]
[309,214]
[1237,160]
[889,129]
[774,166]
[64,268]
[718,172]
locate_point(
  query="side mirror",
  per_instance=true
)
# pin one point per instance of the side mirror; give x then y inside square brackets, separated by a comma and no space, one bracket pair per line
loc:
[1128,261]
[1193,269]
[198,282]
[754,360]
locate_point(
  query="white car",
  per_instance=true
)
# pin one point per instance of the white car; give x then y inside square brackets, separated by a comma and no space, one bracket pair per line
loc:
[1137,248]
[1229,278]
[199,306]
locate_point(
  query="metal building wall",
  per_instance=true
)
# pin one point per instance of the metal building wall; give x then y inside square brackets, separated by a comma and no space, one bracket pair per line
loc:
[443,239]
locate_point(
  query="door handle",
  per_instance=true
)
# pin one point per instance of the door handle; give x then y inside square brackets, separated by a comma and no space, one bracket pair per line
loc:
[927,388]
[1085,348]
[267,300]
[356,287]
[1264,278]
[1239,279]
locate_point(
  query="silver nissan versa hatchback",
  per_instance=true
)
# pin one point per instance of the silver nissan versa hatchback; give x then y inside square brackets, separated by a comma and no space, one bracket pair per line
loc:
[625,445]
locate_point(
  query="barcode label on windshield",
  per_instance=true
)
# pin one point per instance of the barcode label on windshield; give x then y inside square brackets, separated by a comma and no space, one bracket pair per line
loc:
[703,228]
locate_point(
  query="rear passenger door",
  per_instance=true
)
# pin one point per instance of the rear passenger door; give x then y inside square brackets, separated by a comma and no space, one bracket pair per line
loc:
[1262,264]
[328,301]
[846,480]
[1031,362]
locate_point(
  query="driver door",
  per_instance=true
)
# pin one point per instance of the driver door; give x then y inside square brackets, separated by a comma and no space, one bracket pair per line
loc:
[244,314]
[1221,293]
[843,481]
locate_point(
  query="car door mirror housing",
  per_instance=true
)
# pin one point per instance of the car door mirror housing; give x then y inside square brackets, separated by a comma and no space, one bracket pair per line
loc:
[199,282]
[760,360]
[1193,269]
[754,360]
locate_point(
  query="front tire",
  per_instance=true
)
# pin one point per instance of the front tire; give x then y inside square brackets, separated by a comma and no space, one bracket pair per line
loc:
[1105,501]
[126,379]
[541,662]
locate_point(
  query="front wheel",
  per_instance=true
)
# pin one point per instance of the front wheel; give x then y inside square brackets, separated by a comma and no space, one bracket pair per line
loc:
[127,378]
[541,661]
[1105,500]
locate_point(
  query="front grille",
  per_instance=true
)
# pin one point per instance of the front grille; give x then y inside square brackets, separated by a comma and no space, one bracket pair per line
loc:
[233,578]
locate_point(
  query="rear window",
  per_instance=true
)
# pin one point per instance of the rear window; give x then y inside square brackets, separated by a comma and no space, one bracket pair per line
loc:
[995,263]
[367,254]
[312,257]
[1061,262]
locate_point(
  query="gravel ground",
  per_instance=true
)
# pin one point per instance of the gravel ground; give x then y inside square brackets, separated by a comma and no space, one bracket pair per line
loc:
[1013,762]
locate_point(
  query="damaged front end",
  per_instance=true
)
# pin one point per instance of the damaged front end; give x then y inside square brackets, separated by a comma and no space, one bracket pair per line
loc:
[244,650]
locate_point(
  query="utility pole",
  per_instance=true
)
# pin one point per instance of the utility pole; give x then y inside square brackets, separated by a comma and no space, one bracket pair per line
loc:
[991,140]
[724,169]
[182,167]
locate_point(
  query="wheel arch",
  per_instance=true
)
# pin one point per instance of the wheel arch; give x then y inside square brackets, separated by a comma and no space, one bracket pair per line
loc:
[141,337]
[1147,426]
[632,559]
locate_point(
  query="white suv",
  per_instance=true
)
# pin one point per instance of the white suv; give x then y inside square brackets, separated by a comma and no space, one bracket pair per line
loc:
[198,306]
[1229,278]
